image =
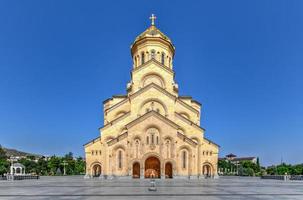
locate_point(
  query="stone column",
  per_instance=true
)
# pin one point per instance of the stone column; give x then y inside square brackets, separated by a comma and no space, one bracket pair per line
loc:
[141,172]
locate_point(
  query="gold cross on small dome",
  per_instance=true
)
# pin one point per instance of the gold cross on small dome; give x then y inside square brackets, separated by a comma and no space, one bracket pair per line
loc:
[152,18]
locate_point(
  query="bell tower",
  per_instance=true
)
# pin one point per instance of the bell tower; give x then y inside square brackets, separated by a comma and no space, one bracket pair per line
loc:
[152,53]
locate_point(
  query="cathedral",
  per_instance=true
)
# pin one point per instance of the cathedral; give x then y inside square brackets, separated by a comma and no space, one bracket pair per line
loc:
[152,131]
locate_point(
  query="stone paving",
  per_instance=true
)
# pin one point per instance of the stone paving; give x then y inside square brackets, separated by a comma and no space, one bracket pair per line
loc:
[75,187]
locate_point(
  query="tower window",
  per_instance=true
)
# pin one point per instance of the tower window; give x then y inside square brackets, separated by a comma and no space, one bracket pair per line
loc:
[142,58]
[120,159]
[162,58]
[147,140]
[153,54]
[184,159]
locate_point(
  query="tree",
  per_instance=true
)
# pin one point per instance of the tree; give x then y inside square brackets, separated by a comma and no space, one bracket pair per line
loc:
[30,165]
[79,166]
[42,167]
[4,164]
[54,164]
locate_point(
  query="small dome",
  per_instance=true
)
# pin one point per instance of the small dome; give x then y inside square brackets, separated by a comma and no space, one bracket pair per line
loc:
[152,32]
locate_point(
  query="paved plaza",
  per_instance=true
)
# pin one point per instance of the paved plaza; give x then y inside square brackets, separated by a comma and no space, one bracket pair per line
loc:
[75,187]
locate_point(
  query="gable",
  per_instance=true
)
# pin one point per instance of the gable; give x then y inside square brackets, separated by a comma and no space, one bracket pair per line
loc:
[152,114]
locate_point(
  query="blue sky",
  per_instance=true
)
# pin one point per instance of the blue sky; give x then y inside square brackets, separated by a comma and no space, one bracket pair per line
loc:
[241,59]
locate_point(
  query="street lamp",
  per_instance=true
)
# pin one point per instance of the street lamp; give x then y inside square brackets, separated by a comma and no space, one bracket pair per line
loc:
[64,164]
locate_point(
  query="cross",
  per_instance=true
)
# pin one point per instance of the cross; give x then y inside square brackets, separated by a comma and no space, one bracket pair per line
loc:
[152,18]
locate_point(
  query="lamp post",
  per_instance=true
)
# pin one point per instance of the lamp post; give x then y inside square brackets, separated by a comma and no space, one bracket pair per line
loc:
[64,170]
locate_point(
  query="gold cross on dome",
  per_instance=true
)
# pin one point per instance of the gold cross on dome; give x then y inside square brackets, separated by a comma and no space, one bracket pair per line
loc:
[152,18]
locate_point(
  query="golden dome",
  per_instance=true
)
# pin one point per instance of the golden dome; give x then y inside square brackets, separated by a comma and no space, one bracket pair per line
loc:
[153,33]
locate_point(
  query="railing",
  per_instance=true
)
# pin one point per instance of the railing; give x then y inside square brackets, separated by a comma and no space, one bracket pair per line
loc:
[283,177]
[19,177]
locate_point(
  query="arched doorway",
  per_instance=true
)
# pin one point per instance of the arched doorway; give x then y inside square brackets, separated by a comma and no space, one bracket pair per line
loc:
[96,171]
[168,170]
[152,168]
[136,170]
[206,170]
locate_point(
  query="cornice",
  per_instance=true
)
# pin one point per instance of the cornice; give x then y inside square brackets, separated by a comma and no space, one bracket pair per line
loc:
[92,141]
[189,121]
[211,142]
[117,139]
[115,121]
[186,139]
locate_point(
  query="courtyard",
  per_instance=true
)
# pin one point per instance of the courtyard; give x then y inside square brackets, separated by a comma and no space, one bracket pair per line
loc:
[75,187]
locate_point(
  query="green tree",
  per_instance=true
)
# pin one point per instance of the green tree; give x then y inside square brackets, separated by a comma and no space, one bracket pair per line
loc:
[42,167]
[30,165]
[54,164]
[80,166]
[69,160]
[4,164]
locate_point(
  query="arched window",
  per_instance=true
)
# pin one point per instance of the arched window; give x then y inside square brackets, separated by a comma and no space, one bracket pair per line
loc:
[169,63]
[147,140]
[142,58]
[162,58]
[157,140]
[153,54]
[184,159]
[152,138]
[167,148]
[137,147]
[120,159]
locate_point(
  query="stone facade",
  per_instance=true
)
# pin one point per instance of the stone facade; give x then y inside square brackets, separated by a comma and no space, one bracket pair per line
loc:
[151,132]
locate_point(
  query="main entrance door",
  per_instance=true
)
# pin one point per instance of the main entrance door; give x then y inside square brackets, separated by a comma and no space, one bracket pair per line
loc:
[136,170]
[152,168]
